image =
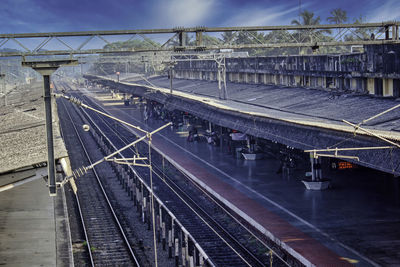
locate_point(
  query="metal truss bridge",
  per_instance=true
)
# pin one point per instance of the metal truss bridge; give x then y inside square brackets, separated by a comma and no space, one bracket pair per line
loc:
[93,42]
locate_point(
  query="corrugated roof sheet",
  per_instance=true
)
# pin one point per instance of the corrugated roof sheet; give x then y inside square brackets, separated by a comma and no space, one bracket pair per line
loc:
[315,104]
[22,130]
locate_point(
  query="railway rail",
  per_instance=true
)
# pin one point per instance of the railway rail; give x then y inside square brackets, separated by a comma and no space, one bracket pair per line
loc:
[106,241]
[175,208]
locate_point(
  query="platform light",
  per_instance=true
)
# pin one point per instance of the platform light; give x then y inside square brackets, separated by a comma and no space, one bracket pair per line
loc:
[86,127]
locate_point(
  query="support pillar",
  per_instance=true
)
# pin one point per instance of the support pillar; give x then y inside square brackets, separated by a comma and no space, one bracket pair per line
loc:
[46,68]
[313,172]
[171,72]
[316,182]
[49,136]
[222,78]
[176,252]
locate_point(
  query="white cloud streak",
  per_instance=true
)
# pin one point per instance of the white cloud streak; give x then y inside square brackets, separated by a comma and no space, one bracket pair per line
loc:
[185,12]
[386,11]
[255,16]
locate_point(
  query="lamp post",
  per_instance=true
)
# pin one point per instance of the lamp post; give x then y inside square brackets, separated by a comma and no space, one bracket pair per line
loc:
[46,68]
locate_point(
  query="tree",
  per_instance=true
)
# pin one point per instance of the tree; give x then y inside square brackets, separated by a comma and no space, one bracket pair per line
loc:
[360,33]
[210,40]
[307,18]
[338,16]
[228,37]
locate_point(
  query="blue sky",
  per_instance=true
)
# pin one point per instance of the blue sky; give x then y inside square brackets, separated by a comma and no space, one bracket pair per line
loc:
[17,16]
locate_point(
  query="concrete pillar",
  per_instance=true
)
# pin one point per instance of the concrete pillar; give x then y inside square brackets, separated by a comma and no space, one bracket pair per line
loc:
[201,260]
[387,87]
[313,172]
[318,168]
[144,210]
[297,80]
[386,32]
[176,252]
[158,228]
[371,86]
[135,197]
[186,248]
[183,250]
[169,244]
[172,238]
[159,222]
[353,84]
[163,235]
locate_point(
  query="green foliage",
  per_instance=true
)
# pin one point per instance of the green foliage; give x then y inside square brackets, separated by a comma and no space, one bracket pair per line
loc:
[360,33]
[338,16]
[132,44]
[307,18]
[211,40]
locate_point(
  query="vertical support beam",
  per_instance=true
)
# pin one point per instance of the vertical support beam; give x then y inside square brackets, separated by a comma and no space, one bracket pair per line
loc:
[199,38]
[312,160]
[153,219]
[144,210]
[176,252]
[163,235]
[219,81]
[221,77]
[201,260]
[186,248]
[182,41]
[386,32]
[224,78]
[163,168]
[183,248]
[318,168]
[46,68]
[170,238]
[170,77]
[49,134]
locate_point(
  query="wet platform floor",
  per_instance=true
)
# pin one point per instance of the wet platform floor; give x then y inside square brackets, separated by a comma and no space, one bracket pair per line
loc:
[358,218]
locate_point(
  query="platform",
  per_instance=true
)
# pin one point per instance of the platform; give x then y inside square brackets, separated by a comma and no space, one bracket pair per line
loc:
[357,221]
[34,228]
[302,118]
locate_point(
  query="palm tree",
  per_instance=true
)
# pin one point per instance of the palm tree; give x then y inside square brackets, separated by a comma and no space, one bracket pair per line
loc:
[307,18]
[338,16]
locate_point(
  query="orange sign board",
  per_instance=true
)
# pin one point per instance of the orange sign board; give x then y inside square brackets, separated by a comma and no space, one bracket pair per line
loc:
[346,165]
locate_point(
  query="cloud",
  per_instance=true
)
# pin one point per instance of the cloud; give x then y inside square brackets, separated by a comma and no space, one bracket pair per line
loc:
[185,12]
[389,10]
[256,16]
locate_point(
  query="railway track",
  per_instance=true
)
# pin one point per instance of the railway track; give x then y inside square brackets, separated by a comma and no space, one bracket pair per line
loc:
[223,246]
[106,241]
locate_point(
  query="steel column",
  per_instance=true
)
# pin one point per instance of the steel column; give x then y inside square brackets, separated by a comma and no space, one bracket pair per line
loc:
[46,68]
[49,134]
